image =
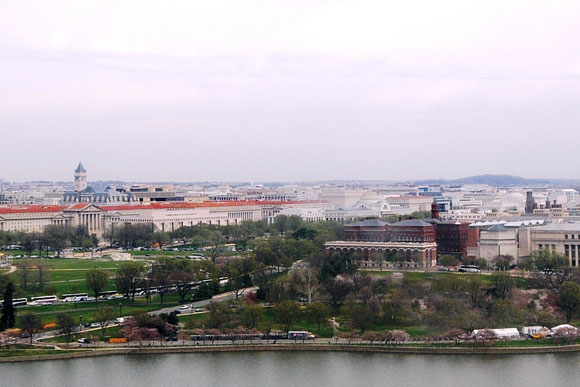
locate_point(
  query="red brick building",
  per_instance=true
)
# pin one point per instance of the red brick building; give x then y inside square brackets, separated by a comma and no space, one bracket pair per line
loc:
[452,238]
[412,230]
[369,230]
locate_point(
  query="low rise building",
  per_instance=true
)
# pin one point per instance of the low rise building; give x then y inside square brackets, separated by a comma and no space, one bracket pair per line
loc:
[497,240]
[563,238]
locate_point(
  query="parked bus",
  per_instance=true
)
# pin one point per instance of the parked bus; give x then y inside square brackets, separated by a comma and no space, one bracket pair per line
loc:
[20,301]
[75,297]
[16,302]
[43,300]
[469,269]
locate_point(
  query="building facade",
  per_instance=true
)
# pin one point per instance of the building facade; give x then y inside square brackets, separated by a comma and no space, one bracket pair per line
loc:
[562,238]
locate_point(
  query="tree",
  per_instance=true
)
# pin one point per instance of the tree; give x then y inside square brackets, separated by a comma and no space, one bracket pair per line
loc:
[66,323]
[161,275]
[31,324]
[474,286]
[337,288]
[146,285]
[97,280]
[127,279]
[28,243]
[56,237]
[287,313]
[239,273]
[25,274]
[281,224]
[310,283]
[554,267]
[362,317]
[251,314]
[569,299]
[215,239]
[219,315]
[317,313]
[503,285]
[503,262]
[7,320]
[104,315]
[447,260]
[182,280]
[42,275]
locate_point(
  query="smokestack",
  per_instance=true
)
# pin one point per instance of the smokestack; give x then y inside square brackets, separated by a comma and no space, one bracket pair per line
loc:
[435,210]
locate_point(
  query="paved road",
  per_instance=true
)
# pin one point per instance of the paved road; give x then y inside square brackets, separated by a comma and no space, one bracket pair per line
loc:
[11,270]
[198,304]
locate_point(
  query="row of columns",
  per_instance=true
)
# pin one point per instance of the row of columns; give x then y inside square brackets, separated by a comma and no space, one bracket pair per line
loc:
[91,221]
[427,255]
[572,252]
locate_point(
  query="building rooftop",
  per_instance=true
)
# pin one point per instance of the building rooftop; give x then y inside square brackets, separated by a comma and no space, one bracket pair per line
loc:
[498,228]
[80,168]
[368,223]
[412,223]
[574,227]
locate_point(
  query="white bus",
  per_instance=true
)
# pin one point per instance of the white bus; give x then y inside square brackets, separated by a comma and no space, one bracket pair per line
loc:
[75,297]
[469,269]
[19,301]
[43,300]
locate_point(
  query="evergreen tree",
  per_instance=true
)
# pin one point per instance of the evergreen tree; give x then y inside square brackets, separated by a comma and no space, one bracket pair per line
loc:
[7,319]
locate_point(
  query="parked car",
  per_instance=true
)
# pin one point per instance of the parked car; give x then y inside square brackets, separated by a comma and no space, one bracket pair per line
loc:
[84,340]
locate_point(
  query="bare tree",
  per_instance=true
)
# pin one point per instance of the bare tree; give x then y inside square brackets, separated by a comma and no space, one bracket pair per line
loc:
[104,316]
[31,324]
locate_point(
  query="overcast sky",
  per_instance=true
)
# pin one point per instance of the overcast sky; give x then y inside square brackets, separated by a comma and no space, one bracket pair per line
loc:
[288,90]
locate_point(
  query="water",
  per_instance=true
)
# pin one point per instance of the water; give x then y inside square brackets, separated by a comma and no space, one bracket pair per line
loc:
[298,369]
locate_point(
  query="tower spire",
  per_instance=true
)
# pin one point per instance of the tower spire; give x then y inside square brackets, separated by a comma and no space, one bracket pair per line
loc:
[80,178]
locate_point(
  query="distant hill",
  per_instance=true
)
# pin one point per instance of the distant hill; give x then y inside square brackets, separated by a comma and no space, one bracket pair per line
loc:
[502,181]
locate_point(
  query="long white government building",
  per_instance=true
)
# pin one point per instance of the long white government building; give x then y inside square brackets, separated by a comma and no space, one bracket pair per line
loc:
[164,216]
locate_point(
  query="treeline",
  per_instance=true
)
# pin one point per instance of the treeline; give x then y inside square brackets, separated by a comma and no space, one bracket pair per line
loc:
[433,305]
[53,238]
[244,235]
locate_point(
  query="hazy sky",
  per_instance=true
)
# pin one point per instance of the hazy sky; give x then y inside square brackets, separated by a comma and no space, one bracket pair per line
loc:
[288,90]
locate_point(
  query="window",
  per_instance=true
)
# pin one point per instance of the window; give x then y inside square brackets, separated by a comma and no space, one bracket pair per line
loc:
[565,236]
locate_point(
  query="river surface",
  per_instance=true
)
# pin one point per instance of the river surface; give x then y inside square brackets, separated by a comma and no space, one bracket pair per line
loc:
[298,369]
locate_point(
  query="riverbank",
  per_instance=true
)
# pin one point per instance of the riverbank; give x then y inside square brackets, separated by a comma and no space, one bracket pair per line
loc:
[390,349]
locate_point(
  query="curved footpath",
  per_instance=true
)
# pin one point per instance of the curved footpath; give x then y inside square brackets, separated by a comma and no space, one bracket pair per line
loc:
[295,347]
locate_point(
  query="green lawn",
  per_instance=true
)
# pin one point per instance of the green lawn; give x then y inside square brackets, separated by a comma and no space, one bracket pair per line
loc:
[197,321]
[65,275]
[71,263]
[109,332]
[87,310]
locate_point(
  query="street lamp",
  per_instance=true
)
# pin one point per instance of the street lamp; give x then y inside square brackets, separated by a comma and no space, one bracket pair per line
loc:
[81,323]
[120,306]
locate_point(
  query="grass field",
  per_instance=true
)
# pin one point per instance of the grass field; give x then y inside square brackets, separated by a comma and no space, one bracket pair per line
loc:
[109,332]
[85,311]
[65,275]
[197,321]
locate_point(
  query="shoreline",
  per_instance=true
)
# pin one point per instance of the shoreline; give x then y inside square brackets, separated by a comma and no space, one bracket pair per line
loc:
[296,348]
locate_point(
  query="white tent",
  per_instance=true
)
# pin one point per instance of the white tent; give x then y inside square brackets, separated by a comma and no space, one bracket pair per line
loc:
[502,333]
